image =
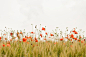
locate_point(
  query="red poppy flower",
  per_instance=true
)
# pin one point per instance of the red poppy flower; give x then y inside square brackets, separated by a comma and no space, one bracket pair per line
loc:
[82,41]
[61,39]
[46,33]
[0,38]
[5,38]
[43,28]
[51,34]
[32,32]
[41,35]
[36,40]
[3,45]
[71,39]
[8,45]
[44,38]
[11,34]
[76,32]
[24,39]
[75,38]
[73,31]
[72,35]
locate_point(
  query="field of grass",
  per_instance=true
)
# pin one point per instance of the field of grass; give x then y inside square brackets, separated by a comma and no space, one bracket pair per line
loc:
[43,49]
[29,46]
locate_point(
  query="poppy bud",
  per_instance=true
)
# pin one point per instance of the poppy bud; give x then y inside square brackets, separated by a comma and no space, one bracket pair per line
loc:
[84,39]
[41,35]
[5,38]
[11,34]
[36,26]
[0,38]
[46,33]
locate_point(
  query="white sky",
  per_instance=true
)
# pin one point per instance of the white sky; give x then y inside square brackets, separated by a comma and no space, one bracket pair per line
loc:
[20,14]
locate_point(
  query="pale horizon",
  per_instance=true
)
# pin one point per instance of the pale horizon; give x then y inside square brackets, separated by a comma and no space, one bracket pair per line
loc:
[20,14]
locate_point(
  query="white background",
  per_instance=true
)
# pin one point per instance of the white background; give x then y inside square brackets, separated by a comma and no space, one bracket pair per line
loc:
[20,14]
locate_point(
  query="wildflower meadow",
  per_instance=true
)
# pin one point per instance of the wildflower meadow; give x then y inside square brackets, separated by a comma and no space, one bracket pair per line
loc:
[35,44]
